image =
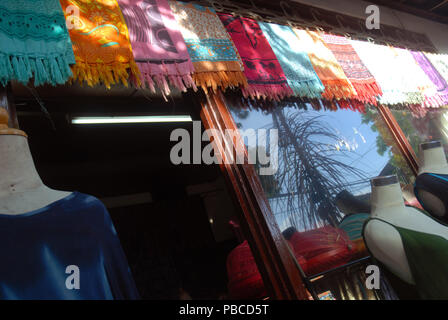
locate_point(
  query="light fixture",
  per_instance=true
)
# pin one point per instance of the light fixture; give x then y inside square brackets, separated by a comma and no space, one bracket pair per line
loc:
[130,119]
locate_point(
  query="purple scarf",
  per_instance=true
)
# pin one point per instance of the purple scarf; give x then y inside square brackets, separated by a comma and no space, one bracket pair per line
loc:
[157,44]
[433,74]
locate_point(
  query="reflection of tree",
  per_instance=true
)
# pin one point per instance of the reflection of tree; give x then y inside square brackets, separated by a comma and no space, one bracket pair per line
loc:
[309,168]
[270,183]
[386,143]
[240,113]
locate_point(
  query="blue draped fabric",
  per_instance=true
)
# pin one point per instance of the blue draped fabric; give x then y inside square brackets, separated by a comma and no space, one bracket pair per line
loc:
[37,247]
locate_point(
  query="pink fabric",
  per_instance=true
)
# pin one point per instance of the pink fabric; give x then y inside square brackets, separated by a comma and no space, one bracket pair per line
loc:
[158,46]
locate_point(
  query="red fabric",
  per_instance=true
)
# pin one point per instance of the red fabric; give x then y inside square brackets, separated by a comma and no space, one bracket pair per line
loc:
[265,76]
[245,280]
[323,248]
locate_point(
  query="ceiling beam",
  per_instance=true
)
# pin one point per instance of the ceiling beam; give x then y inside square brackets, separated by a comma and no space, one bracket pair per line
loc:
[402,6]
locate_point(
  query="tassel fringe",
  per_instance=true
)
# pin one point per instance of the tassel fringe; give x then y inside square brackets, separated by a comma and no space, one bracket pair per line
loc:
[163,75]
[108,74]
[308,88]
[269,92]
[220,79]
[53,70]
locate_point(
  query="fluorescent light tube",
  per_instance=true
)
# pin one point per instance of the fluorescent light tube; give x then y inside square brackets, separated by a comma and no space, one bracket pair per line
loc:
[136,119]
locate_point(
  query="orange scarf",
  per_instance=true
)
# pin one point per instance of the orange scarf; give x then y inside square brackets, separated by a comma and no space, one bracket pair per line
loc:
[328,69]
[101,43]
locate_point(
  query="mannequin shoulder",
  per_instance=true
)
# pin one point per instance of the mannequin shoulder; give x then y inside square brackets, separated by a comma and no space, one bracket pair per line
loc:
[379,234]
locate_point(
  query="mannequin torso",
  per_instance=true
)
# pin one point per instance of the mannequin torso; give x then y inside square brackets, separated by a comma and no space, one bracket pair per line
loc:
[21,189]
[383,240]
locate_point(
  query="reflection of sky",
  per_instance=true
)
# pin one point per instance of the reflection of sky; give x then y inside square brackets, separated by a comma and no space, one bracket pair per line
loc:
[354,136]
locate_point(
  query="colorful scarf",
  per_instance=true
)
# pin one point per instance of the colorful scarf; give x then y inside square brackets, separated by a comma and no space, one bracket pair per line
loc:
[34,42]
[216,62]
[158,46]
[440,62]
[295,63]
[432,73]
[382,63]
[100,41]
[328,69]
[264,74]
[360,77]
[416,79]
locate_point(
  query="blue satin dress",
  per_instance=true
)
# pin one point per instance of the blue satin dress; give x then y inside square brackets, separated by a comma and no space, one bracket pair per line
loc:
[66,250]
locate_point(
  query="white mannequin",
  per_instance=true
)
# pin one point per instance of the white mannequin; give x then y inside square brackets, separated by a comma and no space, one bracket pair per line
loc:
[382,239]
[21,189]
[433,158]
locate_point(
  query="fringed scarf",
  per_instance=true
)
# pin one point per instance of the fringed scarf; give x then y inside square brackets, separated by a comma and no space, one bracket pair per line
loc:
[440,62]
[216,62]
[328,69]
[159,49]
[34,42]
[101,42]
[434,75]
[294,61]
[360,77]
[264,74]
[416,79]
[382,63]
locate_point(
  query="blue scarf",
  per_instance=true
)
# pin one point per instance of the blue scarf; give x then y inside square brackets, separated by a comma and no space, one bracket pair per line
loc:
[294,61]
[34,42]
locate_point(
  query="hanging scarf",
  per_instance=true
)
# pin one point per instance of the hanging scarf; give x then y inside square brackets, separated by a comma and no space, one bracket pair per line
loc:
[295,63]
[432,73]
[101,42]
[362,80]
[440,62]
[382,63]
[416,79]
[216,62]
[264,74]
[34,42]
[158,46]
[328,69]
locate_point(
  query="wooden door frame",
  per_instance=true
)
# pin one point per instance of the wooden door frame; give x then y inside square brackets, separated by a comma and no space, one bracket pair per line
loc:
[270,250]
[400,139]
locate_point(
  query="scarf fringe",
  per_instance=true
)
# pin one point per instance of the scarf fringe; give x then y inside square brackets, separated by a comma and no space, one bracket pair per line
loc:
[368,92]
[54,70]
[219,79]
[338,89]
[433,101]
[309,88]
[177,75]
[270,92]
[108,74]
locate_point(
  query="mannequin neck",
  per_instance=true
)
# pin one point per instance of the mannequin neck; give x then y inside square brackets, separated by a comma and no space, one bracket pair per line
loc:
[434,161]
[387,201]
[17,170]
